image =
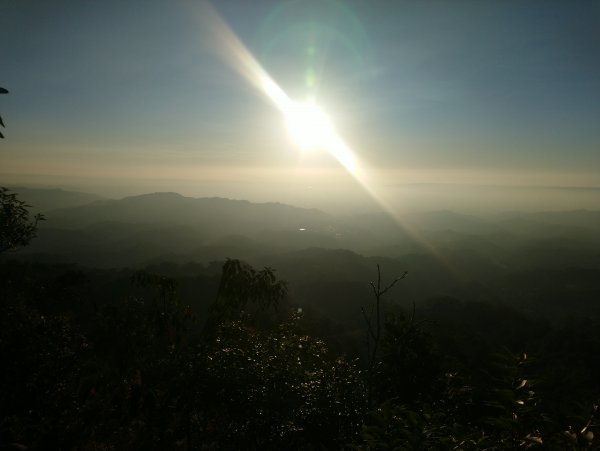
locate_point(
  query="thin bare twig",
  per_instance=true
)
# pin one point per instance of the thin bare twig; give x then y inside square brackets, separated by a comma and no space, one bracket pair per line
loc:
[374,330]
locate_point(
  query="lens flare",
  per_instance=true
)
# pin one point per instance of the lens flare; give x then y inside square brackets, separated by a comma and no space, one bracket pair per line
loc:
[308,125]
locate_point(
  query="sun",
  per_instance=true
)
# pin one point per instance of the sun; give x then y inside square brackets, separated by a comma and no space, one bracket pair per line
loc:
[309,126]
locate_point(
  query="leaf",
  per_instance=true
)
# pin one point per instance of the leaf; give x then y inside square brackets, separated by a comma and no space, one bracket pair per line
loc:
[534,439]
[588,435]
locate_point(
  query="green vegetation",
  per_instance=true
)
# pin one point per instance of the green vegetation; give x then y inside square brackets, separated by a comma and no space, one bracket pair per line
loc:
[2,91]
[145,371]
[223,357]
[17,228]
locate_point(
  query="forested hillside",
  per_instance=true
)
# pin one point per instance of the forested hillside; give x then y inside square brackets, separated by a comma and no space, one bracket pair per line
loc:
[329,350]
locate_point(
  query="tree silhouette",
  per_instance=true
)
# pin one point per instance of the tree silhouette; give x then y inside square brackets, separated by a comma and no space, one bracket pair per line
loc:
[2,91]
[17,227]
[374,327]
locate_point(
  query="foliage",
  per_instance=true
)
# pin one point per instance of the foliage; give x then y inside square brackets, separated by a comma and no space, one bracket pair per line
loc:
[2,91]
[505,412]
[42,358]
[275,389]
[168,315]
[409,365]
[423,400]
[241,285]
[140,371]
[17,228]
[394,426]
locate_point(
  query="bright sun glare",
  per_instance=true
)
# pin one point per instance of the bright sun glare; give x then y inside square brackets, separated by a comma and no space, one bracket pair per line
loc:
[309,126]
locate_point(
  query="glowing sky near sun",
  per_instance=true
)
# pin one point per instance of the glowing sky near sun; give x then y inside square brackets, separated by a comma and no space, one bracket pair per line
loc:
[494,92]
[309,126]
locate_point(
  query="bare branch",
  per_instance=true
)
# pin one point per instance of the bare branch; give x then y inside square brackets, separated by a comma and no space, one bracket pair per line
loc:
[374,327]
[373,288]
[391,285]
[368,321]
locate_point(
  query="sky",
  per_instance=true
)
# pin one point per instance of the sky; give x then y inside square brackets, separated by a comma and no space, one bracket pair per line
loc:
[129,97]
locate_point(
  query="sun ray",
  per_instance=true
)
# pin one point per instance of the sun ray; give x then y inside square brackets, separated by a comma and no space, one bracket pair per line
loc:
[303,118]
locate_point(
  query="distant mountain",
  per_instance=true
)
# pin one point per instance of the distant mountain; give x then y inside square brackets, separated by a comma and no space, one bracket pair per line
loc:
[138,230]
[540,262]
[44,200]
[553,223]
[457,222]
[216,214]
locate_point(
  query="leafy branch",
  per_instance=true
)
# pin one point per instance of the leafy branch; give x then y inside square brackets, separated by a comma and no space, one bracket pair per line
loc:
[2,91]
[16,227]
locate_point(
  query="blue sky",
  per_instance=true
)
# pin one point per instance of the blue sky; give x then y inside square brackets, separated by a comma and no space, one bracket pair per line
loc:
[500,92]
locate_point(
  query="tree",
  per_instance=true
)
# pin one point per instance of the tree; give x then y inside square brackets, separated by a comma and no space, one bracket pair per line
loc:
[374,328]
[243,286]
[17,227]
[2,91]
[274,388]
